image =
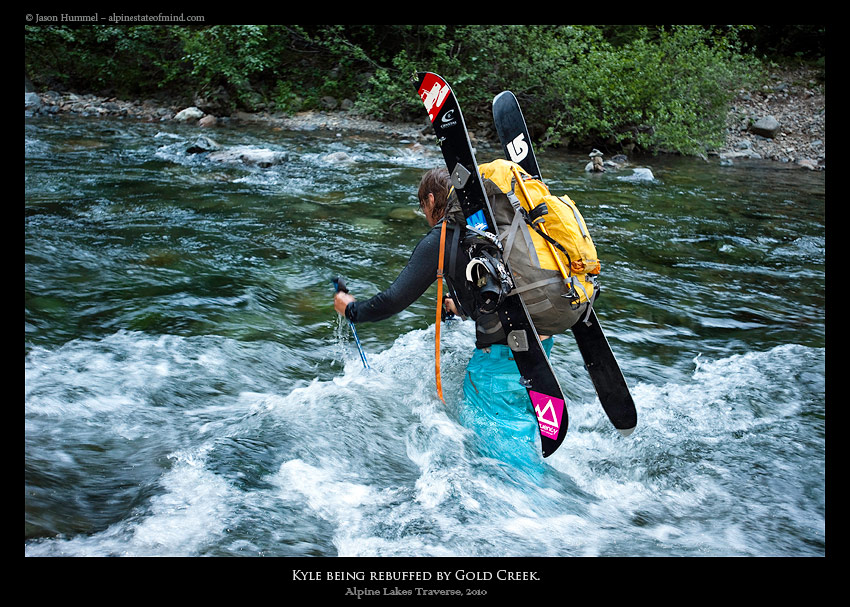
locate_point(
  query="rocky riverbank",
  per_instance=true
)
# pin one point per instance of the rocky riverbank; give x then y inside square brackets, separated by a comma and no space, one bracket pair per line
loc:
[52,102]
[782,121]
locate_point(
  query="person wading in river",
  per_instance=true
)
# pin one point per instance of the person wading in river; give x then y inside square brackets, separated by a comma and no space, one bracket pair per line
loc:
[496,405]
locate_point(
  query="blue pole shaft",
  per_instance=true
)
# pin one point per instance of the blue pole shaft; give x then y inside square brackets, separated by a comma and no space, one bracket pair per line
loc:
[359,347]
[339,285]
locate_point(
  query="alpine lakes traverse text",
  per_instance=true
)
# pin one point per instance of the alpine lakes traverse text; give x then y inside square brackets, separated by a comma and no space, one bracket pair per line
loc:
[361,592]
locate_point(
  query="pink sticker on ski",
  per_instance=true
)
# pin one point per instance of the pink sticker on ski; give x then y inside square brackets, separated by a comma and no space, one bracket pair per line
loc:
[550,412]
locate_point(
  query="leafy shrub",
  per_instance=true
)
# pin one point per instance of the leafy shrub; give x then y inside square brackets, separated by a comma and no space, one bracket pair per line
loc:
[109,60]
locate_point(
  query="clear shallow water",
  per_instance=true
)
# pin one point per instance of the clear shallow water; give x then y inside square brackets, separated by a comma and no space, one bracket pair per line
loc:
[189,390]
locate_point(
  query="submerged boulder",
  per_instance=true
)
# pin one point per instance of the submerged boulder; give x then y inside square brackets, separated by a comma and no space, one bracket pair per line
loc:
[202,145]
[243,154]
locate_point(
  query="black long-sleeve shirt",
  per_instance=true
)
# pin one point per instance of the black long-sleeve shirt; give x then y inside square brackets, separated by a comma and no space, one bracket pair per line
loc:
[419,273]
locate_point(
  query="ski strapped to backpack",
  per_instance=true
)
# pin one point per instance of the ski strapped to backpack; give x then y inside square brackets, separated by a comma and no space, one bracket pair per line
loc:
[545,240]
[599,359]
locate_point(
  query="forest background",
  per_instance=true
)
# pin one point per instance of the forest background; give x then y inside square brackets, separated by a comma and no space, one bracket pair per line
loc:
[645,87]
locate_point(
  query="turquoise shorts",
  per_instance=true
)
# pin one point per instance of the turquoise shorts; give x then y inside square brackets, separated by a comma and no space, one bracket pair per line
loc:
[497,408]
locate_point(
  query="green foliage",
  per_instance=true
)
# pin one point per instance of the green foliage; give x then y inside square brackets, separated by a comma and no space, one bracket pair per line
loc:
[228,56]
[653,87]
[110,60]
[667,91]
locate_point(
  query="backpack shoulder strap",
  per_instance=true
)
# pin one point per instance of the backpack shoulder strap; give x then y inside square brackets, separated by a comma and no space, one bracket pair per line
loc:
[452,265]
[440,308]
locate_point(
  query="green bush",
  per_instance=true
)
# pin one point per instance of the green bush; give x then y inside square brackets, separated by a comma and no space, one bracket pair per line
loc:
[107,60]
[663,89]
[669,91]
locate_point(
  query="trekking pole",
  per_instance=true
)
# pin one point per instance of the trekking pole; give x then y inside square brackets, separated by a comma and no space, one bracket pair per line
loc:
[339,285]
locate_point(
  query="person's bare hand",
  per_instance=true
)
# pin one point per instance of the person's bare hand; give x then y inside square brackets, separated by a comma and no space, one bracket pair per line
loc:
[341,300]
[449,306]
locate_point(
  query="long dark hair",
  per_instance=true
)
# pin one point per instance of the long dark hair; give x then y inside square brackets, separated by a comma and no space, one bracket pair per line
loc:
[436,182]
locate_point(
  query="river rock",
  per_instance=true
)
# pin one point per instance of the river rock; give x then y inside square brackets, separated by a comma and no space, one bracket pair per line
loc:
[201,145]
[32,103]
[328,102]
[243,154]
[337,157]
[742,149]
[766,127]
[190,113]
[808,163]
[618,161]
[639,175]
[404,214]
[731,155]
[596,164]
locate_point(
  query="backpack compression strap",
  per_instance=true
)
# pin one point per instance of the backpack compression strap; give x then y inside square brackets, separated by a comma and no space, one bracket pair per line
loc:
[439,309]
[568,277]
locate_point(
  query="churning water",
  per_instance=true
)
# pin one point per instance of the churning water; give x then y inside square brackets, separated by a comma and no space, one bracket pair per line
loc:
[189,390]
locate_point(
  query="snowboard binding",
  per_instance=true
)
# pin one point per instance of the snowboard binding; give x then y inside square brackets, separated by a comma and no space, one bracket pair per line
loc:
[486,270]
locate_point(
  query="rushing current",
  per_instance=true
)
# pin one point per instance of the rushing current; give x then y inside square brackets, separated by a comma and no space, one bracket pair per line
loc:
[190,391]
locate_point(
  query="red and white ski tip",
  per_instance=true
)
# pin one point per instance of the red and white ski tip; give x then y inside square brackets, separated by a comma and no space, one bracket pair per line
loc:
[433,91]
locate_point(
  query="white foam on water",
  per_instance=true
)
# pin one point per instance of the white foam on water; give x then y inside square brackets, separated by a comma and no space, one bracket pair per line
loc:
[184,519]
[191,513]
[696,476]
[370,463]
[324,491]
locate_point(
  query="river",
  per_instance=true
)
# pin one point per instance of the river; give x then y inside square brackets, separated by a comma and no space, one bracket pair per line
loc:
[189,390]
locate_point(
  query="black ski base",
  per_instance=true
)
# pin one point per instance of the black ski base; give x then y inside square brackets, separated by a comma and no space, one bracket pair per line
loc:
[608,380]
[605,373]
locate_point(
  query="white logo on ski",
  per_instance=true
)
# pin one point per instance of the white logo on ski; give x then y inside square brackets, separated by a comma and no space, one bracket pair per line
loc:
[518,148]
[434,98]
[550,409]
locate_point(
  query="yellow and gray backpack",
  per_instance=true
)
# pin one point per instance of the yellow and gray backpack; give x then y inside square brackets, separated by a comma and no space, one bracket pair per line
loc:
[547,245]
